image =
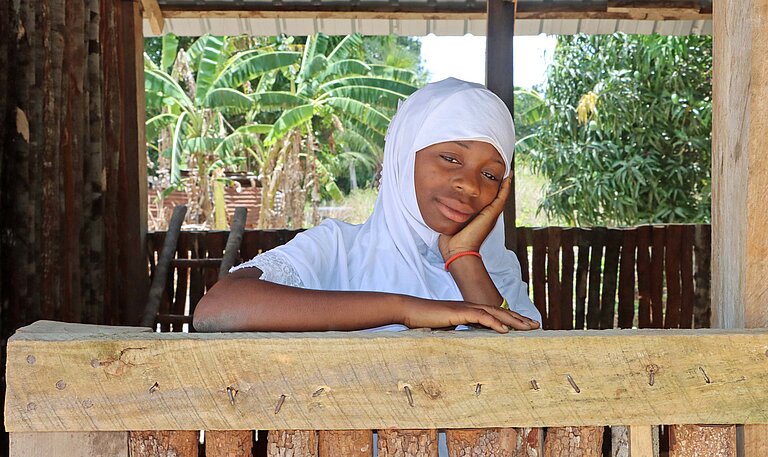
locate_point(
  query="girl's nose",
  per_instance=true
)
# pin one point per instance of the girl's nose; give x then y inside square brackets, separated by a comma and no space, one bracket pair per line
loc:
[467,183]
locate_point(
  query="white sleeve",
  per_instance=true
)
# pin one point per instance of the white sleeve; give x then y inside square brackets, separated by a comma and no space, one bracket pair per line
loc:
[275,268]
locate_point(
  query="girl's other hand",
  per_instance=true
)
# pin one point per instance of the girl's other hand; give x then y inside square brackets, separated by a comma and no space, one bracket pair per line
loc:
[471,237]
[438,314]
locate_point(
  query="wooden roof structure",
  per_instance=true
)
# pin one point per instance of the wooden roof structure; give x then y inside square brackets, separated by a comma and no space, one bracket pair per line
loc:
[422,17]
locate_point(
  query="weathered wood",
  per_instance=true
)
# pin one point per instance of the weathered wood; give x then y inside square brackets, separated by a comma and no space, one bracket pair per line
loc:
[539,271]
[619,441]
[702,376]
[407,443]
[610,278]
[345,443]
[595,277]
[702,276]
[70,444]
[523,241]
[554,300]
[627,279]
[292,443]
[235,238]
[644,276]
[657,276]
[571,441]
[567,309]
[499,78]
[490,442]
[642,442]
[582,272]
[740,174]
[455,11]
[672,260]
[235,443]
[154,13]
[164,262]
[164,443]
[686,277]
[694,440]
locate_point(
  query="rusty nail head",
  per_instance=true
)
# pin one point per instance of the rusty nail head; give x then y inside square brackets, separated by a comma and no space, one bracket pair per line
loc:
[95,363]
[61,385]
[154,387]
[477,389]
[87,403]
[31,406]
[31,359]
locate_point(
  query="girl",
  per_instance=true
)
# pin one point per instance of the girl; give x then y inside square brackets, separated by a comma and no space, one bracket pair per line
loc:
[432,253]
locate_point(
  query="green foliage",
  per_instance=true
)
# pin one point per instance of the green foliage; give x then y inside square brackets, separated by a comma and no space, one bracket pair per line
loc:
[624,131]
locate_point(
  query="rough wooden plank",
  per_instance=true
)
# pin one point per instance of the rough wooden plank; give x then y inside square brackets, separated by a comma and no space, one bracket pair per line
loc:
[149,381]
[495,442]
[686,277]
[164,443]
[644,276]
[619,441]
[155,14]
[523,242]
[672,254]
[236,443]
[641,441]
[567,309]
[570,441]
[554,314]
[70,444]
[702,276]
[627,279]
[657,276]
[582,271]
[407,443]
[595,277]
[292,443]
[345,443]
[740,175]
[539,273]
[695,440]
[610,278]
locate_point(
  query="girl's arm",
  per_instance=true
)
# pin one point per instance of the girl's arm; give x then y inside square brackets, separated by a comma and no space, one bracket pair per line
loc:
[468,271]
[243,302]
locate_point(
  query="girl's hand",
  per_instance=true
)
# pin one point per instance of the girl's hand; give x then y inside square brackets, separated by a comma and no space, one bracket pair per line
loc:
[472,236]
[438,314]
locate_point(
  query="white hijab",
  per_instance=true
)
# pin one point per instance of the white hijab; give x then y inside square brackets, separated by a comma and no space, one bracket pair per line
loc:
[394,250]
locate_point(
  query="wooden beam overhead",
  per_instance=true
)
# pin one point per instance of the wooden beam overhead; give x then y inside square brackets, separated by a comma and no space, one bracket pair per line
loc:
[70,377]
[619,9]
[153,12]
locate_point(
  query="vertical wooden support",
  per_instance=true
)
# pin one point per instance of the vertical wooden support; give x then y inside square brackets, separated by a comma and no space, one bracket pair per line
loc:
[230,443]
[164,443]
[643,441]
[695,440]
[498,78]
[570,441]
[292,443]
[407,443]
[740,175]
[345,443]
[495,442]
[71,444]
[132,179]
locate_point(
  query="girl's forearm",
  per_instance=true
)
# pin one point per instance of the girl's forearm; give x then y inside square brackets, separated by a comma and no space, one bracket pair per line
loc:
[242,302]
[474,281]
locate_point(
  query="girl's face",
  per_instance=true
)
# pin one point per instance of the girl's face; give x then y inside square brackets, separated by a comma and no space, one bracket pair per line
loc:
[454,181]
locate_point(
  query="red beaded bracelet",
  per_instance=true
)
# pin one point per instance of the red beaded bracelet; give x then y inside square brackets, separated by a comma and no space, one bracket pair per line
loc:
[461,254]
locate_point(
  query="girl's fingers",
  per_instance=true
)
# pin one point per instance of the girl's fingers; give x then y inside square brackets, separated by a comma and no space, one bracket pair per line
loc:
[513,319]
[484,318]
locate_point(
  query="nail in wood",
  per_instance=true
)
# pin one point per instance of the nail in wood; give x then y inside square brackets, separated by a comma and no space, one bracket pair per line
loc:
[154,387]
[409,395]
[534,384]
[279,404]
[318,392]
[477,389]
[706,378]
[231,392]
[573,383]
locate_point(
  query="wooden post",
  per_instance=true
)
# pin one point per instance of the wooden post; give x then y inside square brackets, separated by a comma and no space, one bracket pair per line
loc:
[498,78]
[345,443]
[411,443]
[740,175]
[180,443]
[132,179]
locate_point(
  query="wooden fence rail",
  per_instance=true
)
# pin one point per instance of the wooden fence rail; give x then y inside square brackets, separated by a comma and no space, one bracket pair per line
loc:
[96,390]
[580,278]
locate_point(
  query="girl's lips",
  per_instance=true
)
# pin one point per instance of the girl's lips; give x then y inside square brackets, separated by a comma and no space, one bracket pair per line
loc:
[453,214]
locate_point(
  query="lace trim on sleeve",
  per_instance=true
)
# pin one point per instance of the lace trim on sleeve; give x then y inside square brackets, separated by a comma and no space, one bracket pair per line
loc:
[275,268]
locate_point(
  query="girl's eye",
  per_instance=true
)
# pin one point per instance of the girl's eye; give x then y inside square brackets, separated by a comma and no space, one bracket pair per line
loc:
[449,159]
[490,176]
